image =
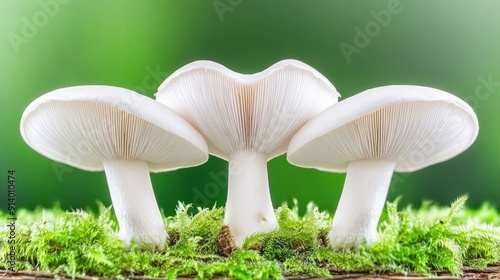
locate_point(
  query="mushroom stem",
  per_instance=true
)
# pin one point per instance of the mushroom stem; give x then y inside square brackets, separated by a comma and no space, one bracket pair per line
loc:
[249,208]
[134,202]
[361,203]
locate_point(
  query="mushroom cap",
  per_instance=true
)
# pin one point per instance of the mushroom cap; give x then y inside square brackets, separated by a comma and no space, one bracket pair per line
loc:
[260,111]
[83,126]
[413,125]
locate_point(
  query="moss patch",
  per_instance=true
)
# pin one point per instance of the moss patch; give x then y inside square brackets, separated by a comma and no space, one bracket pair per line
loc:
[411,241]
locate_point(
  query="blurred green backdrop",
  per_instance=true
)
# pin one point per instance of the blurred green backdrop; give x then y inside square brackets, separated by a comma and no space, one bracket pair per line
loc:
[47,44]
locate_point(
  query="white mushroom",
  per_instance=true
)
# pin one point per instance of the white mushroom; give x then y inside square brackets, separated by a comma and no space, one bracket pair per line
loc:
[126,134]
[373,134]
[247,120]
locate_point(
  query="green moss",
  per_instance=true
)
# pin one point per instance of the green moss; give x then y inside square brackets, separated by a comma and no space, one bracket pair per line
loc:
[419,241]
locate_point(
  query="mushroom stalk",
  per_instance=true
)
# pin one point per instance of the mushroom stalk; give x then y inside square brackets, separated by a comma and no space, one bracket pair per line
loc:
[134,202]
[361,203]
[249,209]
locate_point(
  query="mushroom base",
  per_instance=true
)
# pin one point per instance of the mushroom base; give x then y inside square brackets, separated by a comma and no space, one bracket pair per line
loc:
[361,203]
[249,209]
[134,202]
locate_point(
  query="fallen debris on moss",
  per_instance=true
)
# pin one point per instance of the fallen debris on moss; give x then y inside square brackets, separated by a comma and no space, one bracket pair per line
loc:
[411,241]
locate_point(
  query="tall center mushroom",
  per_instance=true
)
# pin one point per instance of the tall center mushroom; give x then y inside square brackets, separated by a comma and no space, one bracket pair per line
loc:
[247,120]
[374,133]
[125,134]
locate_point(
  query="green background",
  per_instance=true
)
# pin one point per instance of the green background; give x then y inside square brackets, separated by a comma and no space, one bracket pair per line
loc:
[49,44]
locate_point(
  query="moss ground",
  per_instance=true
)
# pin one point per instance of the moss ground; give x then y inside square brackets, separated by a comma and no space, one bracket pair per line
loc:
[419,241]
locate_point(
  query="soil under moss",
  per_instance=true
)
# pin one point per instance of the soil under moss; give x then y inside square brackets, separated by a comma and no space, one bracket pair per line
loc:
[423,241]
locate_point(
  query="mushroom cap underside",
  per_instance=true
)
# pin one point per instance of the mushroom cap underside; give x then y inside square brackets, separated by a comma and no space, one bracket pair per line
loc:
[414,126]
[83,126]
[259,112]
